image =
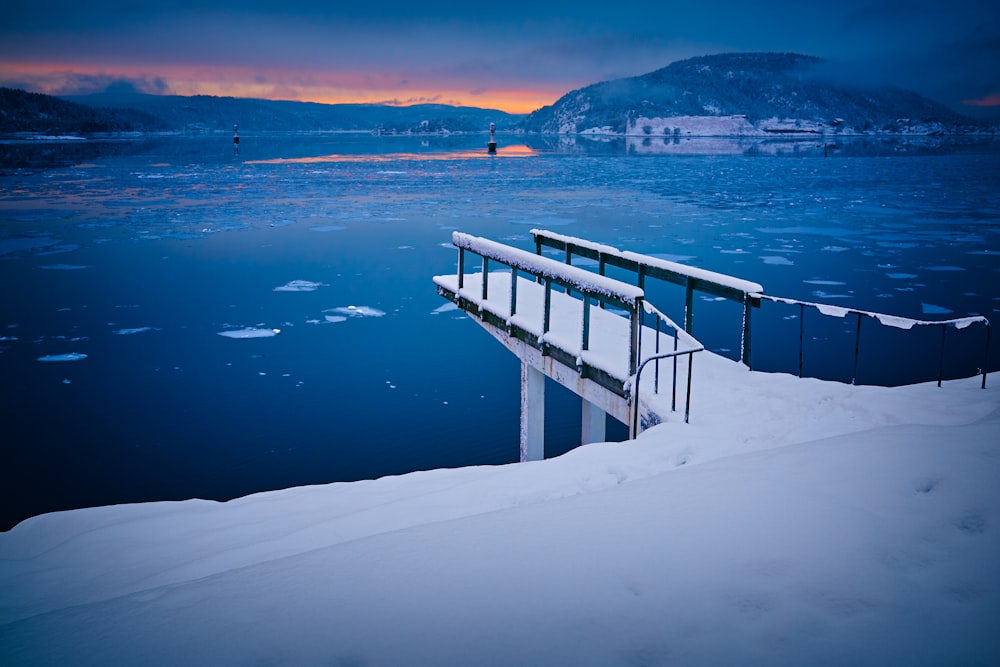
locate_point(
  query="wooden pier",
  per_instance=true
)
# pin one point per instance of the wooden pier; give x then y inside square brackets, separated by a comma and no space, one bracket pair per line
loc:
[592,334]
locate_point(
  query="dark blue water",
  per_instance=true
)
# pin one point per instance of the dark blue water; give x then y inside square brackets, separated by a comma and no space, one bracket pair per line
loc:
[140,253]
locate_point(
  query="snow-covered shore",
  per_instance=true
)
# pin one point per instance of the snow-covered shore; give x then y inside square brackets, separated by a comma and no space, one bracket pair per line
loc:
[791,522]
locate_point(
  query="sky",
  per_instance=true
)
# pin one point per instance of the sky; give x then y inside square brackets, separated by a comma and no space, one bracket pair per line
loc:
[516,55]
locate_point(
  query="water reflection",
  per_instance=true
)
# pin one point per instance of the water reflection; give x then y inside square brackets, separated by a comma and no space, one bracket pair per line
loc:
[462,154]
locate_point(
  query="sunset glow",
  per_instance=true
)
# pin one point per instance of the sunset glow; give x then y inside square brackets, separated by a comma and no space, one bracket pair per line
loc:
[517,58]
[272,84]
[988,101]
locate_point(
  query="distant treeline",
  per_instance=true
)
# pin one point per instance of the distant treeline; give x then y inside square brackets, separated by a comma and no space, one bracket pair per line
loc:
[117,111]
[21,111]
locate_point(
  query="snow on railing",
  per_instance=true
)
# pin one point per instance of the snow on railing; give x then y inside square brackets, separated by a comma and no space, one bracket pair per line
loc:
[693,279]
[587,289]
[543,267]
[896,321]
[736,289]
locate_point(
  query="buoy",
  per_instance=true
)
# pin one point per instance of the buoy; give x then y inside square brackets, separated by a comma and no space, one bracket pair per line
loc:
[492,146]
[236,139]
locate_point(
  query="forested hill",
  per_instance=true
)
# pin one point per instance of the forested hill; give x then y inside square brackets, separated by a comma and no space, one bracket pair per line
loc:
[128,111]
[746,94]
[21,111]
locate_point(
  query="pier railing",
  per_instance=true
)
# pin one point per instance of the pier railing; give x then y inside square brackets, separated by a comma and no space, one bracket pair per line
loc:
[693,279]
[596,343]
[748,293]
[904,323]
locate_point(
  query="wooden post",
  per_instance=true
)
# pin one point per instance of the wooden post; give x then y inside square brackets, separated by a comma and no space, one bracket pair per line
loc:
[532,413]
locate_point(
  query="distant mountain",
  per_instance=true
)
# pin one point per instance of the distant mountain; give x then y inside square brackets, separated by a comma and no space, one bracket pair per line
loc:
[124,110]
[745,94]
[204,113]
[21,111]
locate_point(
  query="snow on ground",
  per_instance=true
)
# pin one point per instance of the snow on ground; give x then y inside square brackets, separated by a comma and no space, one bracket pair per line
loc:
[792,522]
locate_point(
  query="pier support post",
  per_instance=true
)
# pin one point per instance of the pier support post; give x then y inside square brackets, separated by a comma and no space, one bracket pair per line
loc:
[532,413]
[594,424]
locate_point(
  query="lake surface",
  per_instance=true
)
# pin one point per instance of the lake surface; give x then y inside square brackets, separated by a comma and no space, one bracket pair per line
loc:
[151,256]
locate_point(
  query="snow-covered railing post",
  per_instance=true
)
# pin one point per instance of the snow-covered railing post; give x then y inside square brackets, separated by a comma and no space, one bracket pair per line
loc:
[905,323]
[691,278]
[691,346]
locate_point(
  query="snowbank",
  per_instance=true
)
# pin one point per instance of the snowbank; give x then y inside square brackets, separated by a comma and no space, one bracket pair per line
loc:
[792,522]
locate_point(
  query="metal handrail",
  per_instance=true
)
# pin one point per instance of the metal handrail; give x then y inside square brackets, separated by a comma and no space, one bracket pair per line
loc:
[678,333]
[886,320]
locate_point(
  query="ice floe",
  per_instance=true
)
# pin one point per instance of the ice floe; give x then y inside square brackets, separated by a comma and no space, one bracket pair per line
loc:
[70,356]
[356,311]
[931,309]
[300,286]
[448,307]
[134,330]
[333,319]
[250,332]
[776,260]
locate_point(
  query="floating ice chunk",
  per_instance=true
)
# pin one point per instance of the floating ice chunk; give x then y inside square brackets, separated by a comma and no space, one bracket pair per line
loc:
[333,319]
[63,267]
[901,276]
[824,282]
[71,356]
[356,311]
[776,260]
[944,268]
[448,307]
[250,332]
[300,286]
[931,309]
[135,330]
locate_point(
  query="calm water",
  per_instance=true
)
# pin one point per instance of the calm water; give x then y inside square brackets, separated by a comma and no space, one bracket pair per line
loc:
[139,254]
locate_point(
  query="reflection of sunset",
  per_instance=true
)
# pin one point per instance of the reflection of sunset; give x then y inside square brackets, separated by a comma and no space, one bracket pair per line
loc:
[502,151]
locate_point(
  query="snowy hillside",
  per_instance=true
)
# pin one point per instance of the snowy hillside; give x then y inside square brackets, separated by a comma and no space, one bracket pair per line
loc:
[746,94]
[791,522]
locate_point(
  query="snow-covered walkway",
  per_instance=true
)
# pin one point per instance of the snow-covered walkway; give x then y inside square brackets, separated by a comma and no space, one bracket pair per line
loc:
[807,522]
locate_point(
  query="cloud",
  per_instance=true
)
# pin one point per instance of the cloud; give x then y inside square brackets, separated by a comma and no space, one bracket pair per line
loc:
[992,100]
[58,82]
